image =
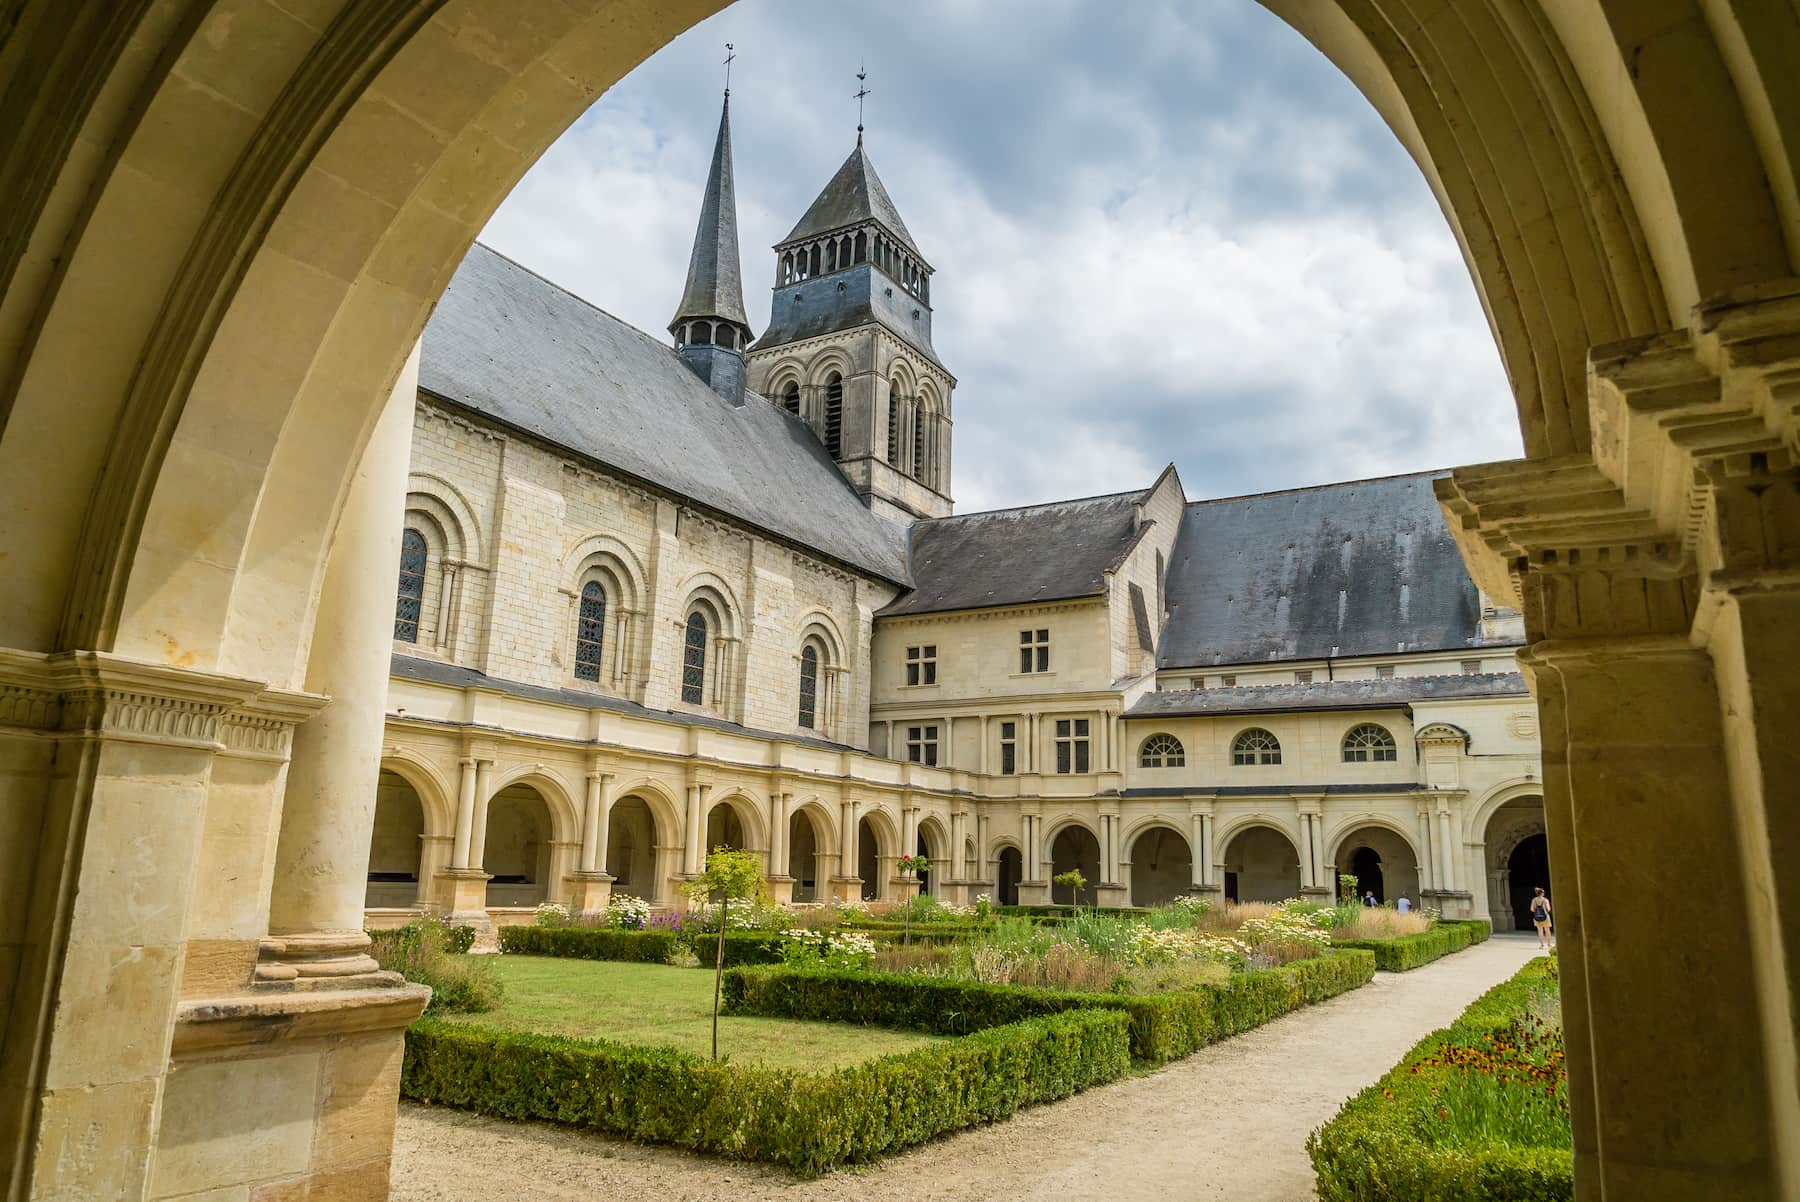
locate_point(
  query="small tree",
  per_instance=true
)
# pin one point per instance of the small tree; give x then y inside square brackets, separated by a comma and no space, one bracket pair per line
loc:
[728,874]
[1346,886]
[1075,882]
[913,864]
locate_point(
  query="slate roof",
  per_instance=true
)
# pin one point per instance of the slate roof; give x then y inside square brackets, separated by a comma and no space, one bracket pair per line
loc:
[854,195]
[715,286]
[434,672]
[1052,552]
[1361,568]
[515,348]
[1397,692]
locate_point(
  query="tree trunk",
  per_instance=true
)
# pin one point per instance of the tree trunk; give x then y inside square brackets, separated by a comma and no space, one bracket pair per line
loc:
[719,971]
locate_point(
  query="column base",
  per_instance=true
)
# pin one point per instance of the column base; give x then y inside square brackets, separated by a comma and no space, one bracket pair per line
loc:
[781,890]
[1316,891]
[589,894]
[1034,893]
[1211,891]
[1112,897]
[465,897]
[319,960]
[904,889]
[846,889]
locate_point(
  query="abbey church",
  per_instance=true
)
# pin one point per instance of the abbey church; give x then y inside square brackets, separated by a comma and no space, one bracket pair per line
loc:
[656,598]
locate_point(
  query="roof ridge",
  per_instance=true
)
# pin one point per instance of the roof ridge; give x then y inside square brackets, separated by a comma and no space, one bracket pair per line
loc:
[1329,484]
[982,513]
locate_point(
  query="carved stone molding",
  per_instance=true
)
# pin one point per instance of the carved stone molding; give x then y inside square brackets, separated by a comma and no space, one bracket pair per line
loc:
[96,694]
[263,727]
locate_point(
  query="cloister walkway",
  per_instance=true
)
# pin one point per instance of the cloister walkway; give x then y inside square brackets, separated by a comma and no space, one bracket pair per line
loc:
[1227,1123]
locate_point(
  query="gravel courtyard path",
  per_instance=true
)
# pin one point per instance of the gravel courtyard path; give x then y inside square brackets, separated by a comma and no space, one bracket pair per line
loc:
[1229,1122]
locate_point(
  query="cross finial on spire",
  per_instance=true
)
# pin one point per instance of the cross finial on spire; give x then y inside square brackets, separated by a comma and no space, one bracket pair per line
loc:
[730,54]
[862,73]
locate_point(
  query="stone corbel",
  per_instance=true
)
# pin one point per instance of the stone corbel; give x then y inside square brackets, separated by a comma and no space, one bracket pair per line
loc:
[263,727]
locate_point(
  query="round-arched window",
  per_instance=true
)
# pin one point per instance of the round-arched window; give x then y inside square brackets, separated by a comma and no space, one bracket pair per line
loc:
[809,685]
[410,603]
[790,398]
[1162,751]
[693,660]
[590,631]
[1369,743]
[1256,746]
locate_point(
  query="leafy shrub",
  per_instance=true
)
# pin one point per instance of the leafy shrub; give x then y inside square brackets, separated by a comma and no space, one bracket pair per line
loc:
[589,943]
[552,914]
[819,948]
[627,912]
[1476,1112]
[808,1122]
[420,952]
[1164,1026]
[1411,951]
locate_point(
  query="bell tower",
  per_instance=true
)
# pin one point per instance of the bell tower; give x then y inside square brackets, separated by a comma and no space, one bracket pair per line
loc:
[848,347]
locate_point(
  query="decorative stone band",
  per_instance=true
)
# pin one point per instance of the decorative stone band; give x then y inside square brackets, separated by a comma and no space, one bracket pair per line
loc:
[212,1024]
[319,960]
[99,695]
[263,727]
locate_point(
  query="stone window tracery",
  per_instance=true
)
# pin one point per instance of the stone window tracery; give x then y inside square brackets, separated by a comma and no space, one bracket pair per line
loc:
[1255,746]
[590,631]
[410,601]
[809,685]
[693,660]
[1369,743]
[1162,751]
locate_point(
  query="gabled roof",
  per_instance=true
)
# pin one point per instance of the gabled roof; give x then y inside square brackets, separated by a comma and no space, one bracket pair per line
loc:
[854,195]
[715,286]
[515,348]
[1054,552]
[1396,692]
[1361,568]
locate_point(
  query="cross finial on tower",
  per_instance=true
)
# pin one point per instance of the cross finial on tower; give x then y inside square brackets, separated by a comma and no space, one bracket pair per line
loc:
[862,73]
[730,54]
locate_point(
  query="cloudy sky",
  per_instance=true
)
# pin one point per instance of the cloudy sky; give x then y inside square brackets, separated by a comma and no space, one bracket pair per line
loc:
[1163,230]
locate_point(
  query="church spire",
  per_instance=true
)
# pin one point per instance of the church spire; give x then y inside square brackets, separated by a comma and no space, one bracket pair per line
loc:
[710,325]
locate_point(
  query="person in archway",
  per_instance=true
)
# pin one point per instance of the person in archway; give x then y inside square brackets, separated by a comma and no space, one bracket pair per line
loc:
[1404,905]
[1369,899]
[1540,917]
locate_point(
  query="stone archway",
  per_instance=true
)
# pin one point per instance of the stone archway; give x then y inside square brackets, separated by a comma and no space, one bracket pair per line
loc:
[1075,847]
[516,854]
[724,828]
[633,839]
[1527,870]
[872,858]
[1261,864]
[806,839]
[1162,866]
[1511,825]
[396,849]
[1009,868]
[1383,862]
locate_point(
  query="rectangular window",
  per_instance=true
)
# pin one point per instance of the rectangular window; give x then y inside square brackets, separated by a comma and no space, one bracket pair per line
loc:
[1304,676]
[922,745]
[1471,667]
[1034,651]
[1384,671]
[1071,745]
[1197,682]
[1228,682]
[1009,748]
[921,664]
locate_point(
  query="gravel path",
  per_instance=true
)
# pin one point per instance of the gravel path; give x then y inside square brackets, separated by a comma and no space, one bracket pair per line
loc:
[1229,1122]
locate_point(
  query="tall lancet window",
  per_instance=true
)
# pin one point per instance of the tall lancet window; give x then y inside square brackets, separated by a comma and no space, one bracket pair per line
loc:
[921,418]
[590,631]
[410,602]
[834,415]
[893,430]
[790,398]
[693,660]
[809,685]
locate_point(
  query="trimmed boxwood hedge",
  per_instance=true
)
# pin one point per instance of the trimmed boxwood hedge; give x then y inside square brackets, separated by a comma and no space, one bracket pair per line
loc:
[807,1122]
[589,943]
[1410,951]
[1370,1151]
[1164,1026]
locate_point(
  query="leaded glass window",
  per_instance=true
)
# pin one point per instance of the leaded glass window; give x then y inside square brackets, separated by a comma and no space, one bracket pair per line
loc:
[693,660]
[1255,746]
[1162,751]
[809,685]
[590,631]
[1369,743]
[410,603]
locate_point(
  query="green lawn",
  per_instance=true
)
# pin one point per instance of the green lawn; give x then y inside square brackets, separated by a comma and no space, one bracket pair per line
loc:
[657,1004]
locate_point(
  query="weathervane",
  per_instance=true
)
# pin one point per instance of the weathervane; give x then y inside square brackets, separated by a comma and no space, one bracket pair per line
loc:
[862,73]
[730,54]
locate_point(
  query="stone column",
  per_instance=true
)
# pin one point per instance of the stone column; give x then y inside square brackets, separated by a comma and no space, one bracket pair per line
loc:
[981,848]
[1307,875]
[959,844]
[1207,855]
[694,837]
[1446,851]
[592,883]
[484,771]
[322,856]
[465,814]
[1428,881]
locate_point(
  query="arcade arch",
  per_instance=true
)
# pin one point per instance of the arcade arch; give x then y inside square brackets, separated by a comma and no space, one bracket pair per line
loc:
[1516,860]
[1162,865]
[396,849]
[808,841]
[1383,862]
[1261,864]
[1074,846]
[635,839]
[516,851]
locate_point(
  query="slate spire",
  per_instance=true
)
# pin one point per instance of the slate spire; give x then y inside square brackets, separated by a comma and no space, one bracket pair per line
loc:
[710,326]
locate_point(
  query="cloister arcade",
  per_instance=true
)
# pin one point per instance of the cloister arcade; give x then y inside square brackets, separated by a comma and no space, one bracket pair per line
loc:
[225,227]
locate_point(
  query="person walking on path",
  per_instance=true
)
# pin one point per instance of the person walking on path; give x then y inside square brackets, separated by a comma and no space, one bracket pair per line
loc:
[1540,916]
[1404,905]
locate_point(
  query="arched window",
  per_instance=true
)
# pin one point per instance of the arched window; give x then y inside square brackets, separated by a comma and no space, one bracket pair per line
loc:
[921,419]
[410,602]
[790,398]
[1256,746]
[1369,743]
[590,631]
[809,685]
[812,261]
[895,400]
[1162,751]
[693,660]
[834,415]
[862,247]
[831,255]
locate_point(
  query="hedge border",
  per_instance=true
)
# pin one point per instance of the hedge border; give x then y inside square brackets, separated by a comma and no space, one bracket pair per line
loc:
[1407,952]
[808,1122]
[1164,1026]
[645,947]
[1368,1153]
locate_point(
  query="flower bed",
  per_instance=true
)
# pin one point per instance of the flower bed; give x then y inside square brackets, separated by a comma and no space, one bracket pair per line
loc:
[1476,1112]
[809,1122]
[1411,951]
[1164,1026]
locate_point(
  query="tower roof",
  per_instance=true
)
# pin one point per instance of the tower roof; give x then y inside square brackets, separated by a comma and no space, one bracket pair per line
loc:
[715,286]
[854,195]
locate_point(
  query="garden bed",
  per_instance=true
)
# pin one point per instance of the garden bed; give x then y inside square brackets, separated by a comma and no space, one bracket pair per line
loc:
[1405,952]
[1476,1112]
